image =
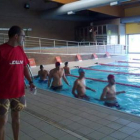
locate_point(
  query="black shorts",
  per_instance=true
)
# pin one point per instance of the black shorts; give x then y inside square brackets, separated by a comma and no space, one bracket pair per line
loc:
[56,88]
[43,81]
[16,104]
[115,104]
[85,97]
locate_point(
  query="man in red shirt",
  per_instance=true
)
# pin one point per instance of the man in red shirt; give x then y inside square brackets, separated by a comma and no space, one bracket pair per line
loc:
[13,68]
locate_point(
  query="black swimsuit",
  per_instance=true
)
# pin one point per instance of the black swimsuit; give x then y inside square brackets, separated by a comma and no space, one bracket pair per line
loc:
[115,104]
[84,97]
[56,88]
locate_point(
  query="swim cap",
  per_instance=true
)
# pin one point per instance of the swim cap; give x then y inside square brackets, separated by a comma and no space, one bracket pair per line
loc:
[80,70]
[110,76]
[57,64]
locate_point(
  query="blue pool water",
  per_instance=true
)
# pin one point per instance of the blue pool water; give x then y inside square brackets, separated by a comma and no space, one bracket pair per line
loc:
[130,101]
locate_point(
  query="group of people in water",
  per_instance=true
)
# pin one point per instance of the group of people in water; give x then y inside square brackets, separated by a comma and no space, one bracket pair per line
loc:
[54,81]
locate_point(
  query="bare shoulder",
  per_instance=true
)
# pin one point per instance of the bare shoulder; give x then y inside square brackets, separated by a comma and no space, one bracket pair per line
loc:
[76,81]
[106,88]
[52,70]
[62,70]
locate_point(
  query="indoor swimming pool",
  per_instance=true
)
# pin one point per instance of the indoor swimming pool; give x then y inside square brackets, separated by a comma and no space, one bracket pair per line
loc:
[129,102]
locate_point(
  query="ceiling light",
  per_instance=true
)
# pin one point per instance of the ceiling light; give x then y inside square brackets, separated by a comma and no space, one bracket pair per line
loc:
[70,12]
[118,2]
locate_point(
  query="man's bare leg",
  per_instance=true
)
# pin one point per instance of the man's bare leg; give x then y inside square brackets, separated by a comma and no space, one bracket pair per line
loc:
[15,124]
[3,120]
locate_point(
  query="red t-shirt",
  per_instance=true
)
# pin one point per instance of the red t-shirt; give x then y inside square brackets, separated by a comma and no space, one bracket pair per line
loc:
[12,62]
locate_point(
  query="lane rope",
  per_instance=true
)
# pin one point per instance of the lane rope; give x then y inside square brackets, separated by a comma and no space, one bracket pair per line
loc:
[135,59]
[111,65]
[137,74]
[128,62]
[105,81]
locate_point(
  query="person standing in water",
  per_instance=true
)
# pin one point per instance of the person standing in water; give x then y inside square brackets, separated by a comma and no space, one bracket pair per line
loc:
[66,68]
[109,93]
[43,74]
[79,87]
[57,74]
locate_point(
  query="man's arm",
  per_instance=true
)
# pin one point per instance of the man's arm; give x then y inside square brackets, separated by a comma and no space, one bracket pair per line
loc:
[49,78]
[103,96]
[74,89]
[69,70]
[90,89]
[47,73]
[28,77]
[119,92]
[64,78]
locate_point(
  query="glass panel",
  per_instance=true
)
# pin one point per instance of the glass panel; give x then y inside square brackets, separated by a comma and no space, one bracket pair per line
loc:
[100,30]
[104,29]
[134,43]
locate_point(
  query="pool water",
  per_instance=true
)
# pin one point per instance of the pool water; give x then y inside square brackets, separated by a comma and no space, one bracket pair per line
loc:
[129,102]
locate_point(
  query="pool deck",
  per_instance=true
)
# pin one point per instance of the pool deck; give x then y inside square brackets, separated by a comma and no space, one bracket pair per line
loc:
[51,116]
[84,63]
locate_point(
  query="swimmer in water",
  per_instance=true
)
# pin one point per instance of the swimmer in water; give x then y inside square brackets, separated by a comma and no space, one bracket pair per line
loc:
[80,86]
[66,68]
[43,74]
[109,93]
[56,75]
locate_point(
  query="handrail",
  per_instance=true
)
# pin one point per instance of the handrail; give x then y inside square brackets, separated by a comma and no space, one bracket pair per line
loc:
[71,47]
[58,39]
[3,34]
[53,39]
[63,40]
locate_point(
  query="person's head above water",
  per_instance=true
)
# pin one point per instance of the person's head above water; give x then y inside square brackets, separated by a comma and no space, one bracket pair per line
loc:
[110,76]
[57,64]
[111,79]
[41,67]
[66,63]
[81,72]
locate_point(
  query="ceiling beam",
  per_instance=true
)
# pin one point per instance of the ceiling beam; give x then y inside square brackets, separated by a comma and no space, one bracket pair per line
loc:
[76,6]
[117,11]
[109,10]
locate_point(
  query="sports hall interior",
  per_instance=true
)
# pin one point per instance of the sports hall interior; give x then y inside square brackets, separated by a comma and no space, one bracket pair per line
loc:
[99,31]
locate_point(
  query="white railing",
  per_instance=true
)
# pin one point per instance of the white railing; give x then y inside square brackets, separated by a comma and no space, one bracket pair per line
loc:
[46,45]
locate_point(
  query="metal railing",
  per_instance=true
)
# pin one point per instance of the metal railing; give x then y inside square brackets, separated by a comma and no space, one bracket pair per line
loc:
[46,45]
